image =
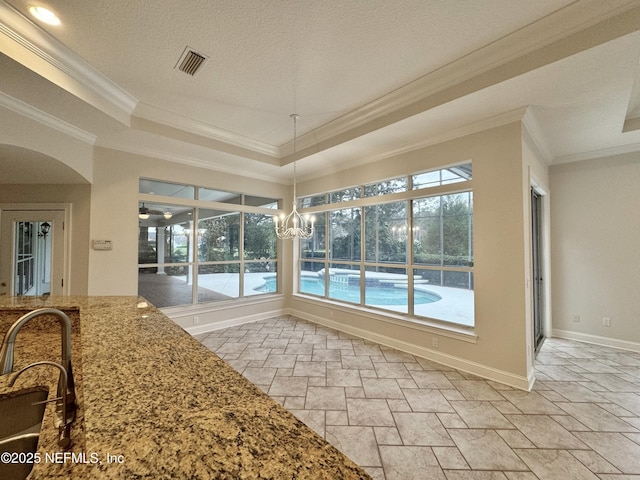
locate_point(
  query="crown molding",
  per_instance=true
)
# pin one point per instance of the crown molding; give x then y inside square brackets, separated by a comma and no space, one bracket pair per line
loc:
[185,136]
[576,27]
[30,45]
[565,32]
[534,132]
[164,117]
[31,112]
[485,124]
[631,124]
[606,152]
[177,157]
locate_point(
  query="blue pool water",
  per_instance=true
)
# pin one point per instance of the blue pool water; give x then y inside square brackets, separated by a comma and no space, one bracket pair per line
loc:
[375,294]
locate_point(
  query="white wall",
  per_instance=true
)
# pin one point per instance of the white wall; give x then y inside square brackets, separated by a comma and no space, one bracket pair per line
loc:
[536,175]
[595,224]
[114,216]
[79,197]
[501,186]
[497,348]
[18,130]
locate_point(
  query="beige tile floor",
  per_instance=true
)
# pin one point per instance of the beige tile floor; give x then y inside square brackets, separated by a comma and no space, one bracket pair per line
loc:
[402,417]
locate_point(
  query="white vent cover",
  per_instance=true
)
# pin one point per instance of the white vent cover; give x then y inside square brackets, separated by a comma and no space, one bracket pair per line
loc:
[190,61]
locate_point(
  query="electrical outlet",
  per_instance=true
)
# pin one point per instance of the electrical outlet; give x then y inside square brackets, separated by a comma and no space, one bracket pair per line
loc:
[196,320]
[434,342]
[576,317]
[606,322]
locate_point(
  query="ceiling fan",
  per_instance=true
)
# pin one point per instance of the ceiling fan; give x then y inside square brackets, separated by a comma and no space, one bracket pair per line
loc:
[144,213]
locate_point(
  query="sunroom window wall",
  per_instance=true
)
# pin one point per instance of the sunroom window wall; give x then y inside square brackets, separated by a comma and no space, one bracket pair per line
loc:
[406,246]
[215,246]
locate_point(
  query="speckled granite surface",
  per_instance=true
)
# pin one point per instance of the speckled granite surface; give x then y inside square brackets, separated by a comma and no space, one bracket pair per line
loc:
[40,340]
[157,399]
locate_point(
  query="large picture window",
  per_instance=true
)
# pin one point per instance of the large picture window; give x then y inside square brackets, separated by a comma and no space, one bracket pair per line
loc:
[406,246]
[189,252]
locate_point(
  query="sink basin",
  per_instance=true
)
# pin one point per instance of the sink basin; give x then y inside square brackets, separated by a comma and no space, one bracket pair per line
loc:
[20,427]
[22,444]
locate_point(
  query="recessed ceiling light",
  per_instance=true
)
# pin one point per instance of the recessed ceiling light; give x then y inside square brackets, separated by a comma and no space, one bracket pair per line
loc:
[44,15]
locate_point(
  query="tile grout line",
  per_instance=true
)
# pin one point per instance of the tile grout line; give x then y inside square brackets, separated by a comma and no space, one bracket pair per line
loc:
[452,376]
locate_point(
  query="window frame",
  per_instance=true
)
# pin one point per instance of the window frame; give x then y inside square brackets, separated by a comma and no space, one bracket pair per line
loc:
[408,196]
[193,263]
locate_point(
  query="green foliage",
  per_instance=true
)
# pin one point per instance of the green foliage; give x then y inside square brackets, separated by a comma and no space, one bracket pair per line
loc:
[346,234]
[441,224]
[445,232]
[314,254]
[436,259]
[382,243]
[219,238]
[259,236]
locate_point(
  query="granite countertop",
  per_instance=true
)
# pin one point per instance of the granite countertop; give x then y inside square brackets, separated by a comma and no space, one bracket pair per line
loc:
[155,403]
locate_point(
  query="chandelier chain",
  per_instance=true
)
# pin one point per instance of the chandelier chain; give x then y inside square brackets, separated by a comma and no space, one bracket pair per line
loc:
[294,225]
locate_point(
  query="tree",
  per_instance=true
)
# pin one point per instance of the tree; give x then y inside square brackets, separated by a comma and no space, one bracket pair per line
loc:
[259,236]
[218,237]
[445,224]
[345,234]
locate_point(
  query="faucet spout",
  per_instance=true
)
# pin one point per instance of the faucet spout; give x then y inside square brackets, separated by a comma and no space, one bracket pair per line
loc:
[63,423]
[66,386]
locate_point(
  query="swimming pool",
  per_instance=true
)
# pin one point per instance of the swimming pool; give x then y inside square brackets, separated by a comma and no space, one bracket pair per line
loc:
[382,294]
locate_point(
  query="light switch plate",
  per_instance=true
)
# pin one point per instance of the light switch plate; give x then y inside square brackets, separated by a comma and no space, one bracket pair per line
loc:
[102,245]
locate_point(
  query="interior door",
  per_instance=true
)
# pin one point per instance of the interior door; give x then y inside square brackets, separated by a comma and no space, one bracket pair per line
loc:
[32,252]
[536,247]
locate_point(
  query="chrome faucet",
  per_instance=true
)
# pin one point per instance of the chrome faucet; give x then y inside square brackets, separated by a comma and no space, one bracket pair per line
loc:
[63,423]
[66,385]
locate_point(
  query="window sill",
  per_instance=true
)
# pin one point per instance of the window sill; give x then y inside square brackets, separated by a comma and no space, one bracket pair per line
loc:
[465,334]
[222,305]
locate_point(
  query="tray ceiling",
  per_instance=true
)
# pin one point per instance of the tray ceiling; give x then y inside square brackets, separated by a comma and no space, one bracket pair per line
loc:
[369,79]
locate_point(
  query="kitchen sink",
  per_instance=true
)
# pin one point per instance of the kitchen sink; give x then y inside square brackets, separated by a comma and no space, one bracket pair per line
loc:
[19,430]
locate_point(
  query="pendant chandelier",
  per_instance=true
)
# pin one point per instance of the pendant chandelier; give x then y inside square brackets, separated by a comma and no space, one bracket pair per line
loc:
[294,225]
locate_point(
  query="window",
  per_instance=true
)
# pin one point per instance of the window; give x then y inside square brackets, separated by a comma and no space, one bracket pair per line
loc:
[412,256]
[445,176]
[166,189]
[386,233]
[312,250]
[312,201]
[260,248]
[345,234]
[388,186]
[344,195]
[443,227]
[193,254]
[443,254]
[210,195]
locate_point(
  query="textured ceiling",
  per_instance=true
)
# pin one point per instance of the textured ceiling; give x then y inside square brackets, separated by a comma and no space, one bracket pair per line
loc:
[370,78]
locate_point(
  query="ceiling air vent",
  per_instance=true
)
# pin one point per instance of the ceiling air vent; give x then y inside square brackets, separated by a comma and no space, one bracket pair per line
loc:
[190,61]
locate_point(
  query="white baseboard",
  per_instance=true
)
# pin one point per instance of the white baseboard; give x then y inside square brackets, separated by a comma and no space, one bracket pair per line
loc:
[232,322]
[596,339]
[489,373]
